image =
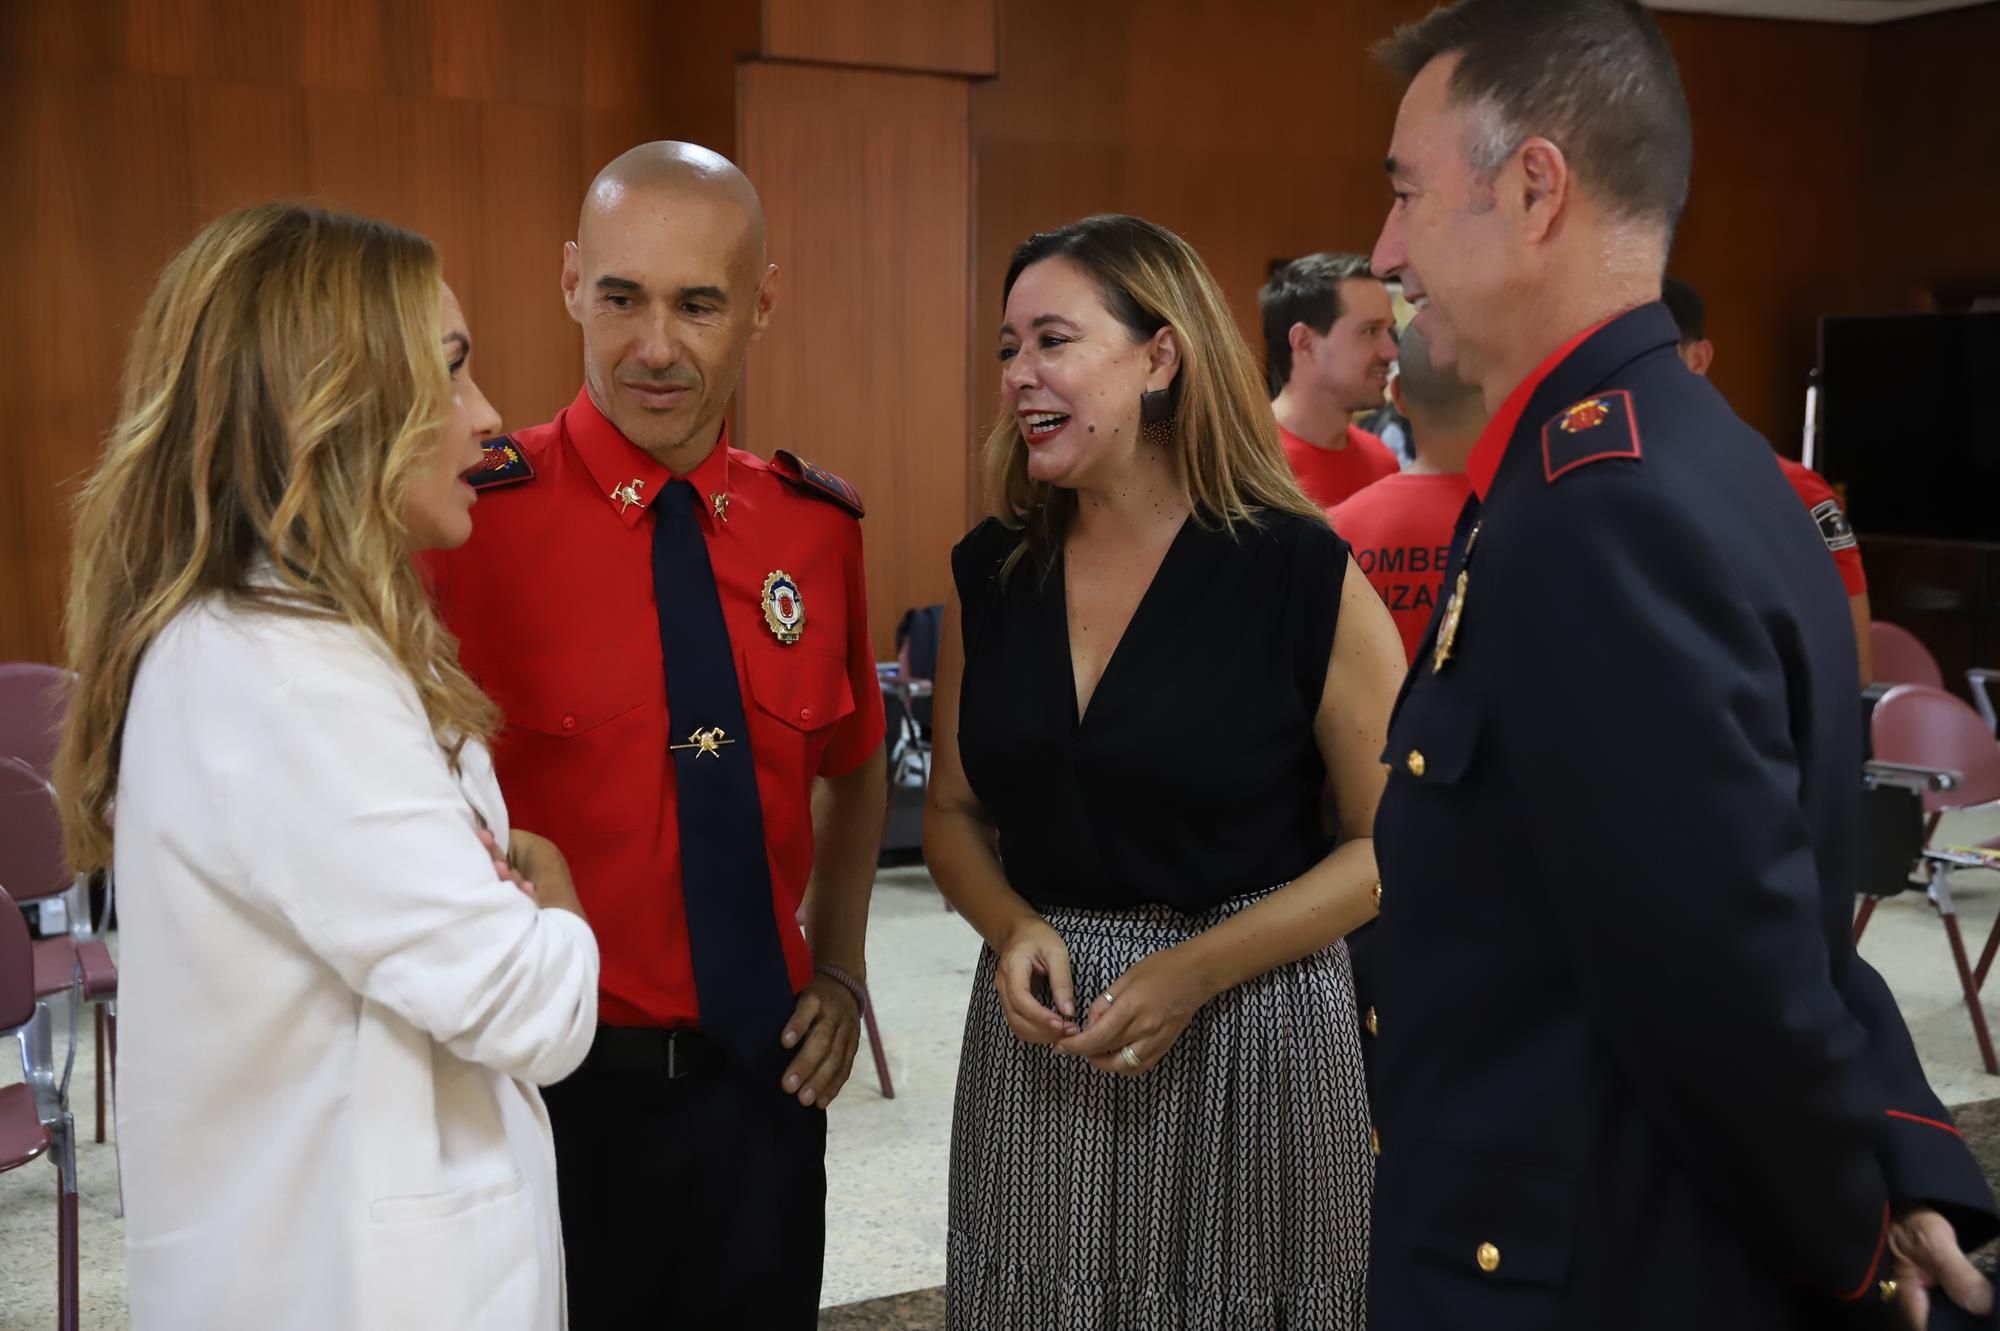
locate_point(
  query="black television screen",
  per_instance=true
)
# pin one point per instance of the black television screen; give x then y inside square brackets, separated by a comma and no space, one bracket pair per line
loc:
[1910,423]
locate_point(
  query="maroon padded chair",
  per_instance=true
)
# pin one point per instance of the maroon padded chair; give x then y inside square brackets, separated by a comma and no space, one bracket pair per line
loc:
[34,1114]
[1901,657]
[33,869]
[32,700]
[1927,730]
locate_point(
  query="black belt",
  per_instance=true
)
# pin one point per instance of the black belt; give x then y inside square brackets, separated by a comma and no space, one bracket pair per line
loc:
[683,1052]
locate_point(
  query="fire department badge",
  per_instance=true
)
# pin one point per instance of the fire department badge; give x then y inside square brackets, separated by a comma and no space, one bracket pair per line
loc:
[500,464]
[1596,429]
[784,608]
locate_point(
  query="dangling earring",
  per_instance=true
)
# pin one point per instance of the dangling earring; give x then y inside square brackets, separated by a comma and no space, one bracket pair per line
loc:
[1156,415]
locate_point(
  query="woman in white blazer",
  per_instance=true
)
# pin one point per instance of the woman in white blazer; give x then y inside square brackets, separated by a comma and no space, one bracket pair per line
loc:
[338,1000]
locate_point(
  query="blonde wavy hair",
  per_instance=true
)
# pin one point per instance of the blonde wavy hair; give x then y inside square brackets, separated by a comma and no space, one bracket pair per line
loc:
[286,382]
[1223,436]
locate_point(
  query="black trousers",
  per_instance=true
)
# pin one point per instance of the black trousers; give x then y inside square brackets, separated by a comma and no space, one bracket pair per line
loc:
[692,1195]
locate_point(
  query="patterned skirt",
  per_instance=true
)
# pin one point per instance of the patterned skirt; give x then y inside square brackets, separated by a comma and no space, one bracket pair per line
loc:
[1225,1190]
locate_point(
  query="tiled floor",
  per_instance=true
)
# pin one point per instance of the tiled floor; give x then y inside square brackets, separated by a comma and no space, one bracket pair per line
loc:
[887,1159]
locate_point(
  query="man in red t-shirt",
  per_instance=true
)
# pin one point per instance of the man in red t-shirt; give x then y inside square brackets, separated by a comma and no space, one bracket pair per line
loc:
[1400,527]
[1329,340]
[1697,352]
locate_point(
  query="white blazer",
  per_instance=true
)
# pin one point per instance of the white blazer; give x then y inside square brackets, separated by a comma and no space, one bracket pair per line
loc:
[334,1013]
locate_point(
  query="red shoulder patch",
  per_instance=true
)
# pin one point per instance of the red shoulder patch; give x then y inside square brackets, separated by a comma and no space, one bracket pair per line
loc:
[504,464]
[818,481]
[1592,430]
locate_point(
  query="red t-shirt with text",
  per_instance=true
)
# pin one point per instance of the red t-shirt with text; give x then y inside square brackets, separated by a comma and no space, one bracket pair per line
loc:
[1400,530]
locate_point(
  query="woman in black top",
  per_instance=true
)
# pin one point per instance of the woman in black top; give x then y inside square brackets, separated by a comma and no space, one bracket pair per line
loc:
[1160,710]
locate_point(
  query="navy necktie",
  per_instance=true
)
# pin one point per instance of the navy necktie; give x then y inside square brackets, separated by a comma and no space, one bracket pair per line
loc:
[739,964]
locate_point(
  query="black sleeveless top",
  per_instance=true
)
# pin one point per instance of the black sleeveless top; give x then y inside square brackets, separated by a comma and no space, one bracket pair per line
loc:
[1194,776]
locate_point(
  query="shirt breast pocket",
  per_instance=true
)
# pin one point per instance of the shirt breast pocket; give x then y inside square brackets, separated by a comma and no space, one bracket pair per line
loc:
[584,745]
[1434,739]
[1430,829]
[1495,1239]
[795,700]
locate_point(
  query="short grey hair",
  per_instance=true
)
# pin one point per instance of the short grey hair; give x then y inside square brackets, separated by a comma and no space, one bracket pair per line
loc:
[1594,77]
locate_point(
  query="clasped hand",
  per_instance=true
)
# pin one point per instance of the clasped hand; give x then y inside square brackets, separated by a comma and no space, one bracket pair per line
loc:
[1143,1011]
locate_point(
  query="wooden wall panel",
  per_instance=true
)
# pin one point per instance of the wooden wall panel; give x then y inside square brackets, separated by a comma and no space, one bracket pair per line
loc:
[1775,230]
[125,124]
[1828,176]
[865,182]
[933,36]
[1934,154]
[90,221]
[1256,132]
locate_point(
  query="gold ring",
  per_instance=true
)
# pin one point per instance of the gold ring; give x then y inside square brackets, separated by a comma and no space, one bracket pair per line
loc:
[1888,1291]
[1129,1057]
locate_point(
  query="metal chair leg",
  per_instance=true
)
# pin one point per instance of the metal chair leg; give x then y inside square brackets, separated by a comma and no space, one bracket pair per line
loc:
[1862,916]
[1986,954]
[97,1020]
[117,1152]
[875,1046]
[1941,898]
[67,1294]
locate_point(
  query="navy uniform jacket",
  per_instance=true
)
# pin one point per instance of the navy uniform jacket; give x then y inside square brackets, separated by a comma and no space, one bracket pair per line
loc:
[1627,1070]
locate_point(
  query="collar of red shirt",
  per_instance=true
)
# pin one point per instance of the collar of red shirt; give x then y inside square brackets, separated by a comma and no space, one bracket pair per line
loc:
[629,477]
[1484,462]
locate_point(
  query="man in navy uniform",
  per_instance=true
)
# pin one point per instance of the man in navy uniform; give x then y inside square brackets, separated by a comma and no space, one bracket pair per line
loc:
[1628,1071]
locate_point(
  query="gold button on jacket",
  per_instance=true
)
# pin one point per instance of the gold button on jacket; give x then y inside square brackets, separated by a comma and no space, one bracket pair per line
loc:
[1489,1257]
[1416,763]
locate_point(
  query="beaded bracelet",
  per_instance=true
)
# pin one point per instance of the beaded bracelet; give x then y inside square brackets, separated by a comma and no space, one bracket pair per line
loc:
[845,981]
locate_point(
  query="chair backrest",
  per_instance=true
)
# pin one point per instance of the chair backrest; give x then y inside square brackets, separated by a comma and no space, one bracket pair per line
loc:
[17,967]
[32,700]
[1928,727]
[1901,657]
[32,863]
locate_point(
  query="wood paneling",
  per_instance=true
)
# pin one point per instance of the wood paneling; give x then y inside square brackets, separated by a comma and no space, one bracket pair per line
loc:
[1775,233]
[125,124]
[866,186]
[1934,154]
[931,36]
[1256,132]
[1837,168]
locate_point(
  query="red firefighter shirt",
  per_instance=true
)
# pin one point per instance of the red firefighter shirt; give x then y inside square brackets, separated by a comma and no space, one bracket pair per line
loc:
[552,602]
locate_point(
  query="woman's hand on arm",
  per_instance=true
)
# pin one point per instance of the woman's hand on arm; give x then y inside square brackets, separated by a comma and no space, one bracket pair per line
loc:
[536,866]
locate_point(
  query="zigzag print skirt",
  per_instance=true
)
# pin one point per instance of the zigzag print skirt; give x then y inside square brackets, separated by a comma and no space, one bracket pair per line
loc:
[1225,1190]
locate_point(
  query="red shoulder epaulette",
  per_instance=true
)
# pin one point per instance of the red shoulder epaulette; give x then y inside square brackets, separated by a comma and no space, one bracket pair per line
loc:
[1593,430]
[504,464]
[819,481]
